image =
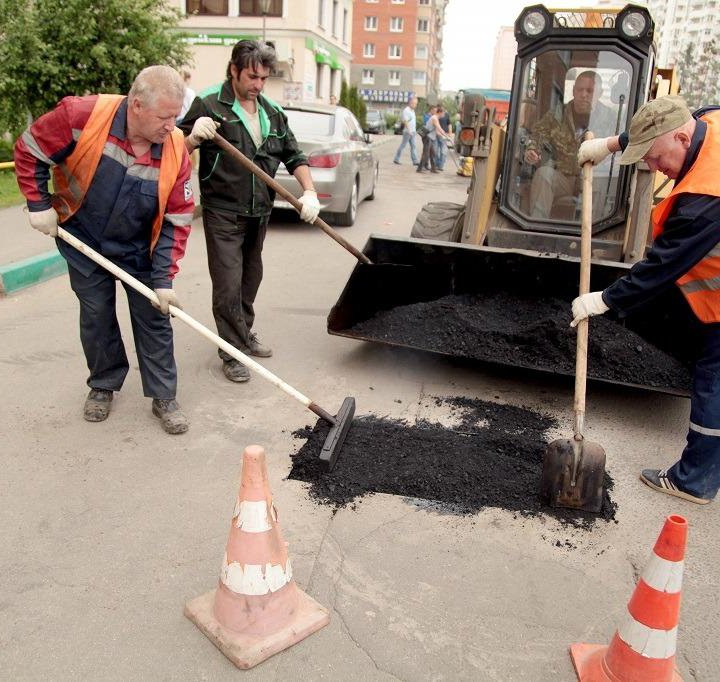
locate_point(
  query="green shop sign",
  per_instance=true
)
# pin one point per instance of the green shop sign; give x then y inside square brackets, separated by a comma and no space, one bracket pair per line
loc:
[323,55]
[222,39]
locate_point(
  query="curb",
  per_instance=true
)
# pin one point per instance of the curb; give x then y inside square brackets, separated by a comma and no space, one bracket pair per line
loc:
[29,271]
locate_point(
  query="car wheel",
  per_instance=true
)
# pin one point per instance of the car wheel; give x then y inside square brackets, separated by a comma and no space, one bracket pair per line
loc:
[376,175]
[347,218]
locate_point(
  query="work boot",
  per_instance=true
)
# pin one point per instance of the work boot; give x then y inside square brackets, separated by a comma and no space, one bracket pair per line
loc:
[235,371]
[172,418]
[256,348]
[658,479]
[97,405]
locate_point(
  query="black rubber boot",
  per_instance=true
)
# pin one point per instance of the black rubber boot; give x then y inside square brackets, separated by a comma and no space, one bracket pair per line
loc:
[97,405]
[171,417]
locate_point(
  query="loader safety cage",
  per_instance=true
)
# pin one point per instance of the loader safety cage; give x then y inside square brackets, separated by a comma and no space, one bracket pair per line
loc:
[575,71]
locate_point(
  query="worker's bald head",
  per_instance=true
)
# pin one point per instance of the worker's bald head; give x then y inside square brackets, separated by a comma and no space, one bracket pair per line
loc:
[155,81]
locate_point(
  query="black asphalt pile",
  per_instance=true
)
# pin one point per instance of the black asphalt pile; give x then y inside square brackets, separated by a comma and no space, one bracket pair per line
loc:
[491,458]
[525,332]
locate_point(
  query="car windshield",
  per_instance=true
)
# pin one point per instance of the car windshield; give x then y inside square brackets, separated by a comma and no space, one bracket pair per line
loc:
[372,115]
[310,123]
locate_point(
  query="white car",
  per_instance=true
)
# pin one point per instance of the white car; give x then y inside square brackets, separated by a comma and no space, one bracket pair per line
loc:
[343,165]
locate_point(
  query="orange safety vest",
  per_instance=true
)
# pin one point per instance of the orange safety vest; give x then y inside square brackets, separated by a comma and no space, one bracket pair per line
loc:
[72,176]
[701,284]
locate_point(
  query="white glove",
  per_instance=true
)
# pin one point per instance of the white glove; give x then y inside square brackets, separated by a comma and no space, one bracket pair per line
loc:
[204,129]
[593,150]
[166,298]
[588,305]
[310,206]
[44,221]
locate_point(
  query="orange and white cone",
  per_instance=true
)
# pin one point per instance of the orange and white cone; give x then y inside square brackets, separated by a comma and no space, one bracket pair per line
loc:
[257,609]
[643,648]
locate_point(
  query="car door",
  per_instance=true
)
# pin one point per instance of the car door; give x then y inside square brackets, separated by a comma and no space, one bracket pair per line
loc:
[363,155]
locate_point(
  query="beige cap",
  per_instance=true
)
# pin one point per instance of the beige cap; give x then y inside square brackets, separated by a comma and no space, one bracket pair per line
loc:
[651,120]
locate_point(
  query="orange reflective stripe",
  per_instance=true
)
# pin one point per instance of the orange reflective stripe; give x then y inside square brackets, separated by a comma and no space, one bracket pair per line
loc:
[700,284]
[170,164]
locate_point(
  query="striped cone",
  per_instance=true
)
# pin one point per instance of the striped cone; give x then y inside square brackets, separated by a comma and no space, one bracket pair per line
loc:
[643,648]
[257,609]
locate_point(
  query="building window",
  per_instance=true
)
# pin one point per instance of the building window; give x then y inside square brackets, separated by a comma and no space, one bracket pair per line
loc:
[396,24]
[368,76]
[211,7]
[394,78]
[321,12]
[423,2]
[251,8]
[394,51]
[397,2]
[421,51]
[371,23]
[419,77]
[369,50]
[423,25]
[333,26]
[372,2]
[344,29]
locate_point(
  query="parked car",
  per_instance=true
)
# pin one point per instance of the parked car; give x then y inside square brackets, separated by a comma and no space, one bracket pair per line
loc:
[399,126]
[375,122]
[342,163]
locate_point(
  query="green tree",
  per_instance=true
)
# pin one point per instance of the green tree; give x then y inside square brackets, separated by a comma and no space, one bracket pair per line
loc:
[350,98]
[74,47]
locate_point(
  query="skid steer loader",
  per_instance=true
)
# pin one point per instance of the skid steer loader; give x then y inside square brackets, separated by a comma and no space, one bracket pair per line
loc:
[514,245]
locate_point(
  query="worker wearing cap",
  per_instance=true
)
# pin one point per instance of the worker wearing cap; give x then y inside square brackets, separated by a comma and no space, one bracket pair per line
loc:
[685,147]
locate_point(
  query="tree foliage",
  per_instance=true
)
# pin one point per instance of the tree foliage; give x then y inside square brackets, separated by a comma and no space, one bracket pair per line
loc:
[350,98]
[698,70]
[49,50]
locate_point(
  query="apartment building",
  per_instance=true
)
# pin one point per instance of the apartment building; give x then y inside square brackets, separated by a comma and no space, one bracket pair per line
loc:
[504,59]
[312,39]
[397,50]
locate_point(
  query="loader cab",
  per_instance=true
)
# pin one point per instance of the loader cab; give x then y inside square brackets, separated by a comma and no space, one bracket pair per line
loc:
[576,71]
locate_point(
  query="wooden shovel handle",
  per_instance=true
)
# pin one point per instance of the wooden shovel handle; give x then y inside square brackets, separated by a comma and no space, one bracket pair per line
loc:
[274,184]
[582,327]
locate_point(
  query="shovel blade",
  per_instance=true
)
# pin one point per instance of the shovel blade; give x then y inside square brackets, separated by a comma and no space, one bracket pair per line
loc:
[556,486]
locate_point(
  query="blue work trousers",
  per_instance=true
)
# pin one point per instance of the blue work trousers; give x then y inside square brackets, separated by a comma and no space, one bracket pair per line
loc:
[407,137]
[698,471]
[102,342]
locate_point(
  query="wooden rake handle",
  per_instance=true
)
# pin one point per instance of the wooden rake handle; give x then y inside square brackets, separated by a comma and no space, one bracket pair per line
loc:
[582,327]
[274,184]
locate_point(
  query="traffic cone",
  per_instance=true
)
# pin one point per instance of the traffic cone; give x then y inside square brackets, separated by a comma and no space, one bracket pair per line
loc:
[643,648]
[257,609]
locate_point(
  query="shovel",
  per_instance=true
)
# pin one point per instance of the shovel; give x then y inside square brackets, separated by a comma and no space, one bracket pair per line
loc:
[340,424]
[573,469]
[279,189]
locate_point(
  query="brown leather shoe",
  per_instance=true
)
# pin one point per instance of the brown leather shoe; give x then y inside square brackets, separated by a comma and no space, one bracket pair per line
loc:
[256,348]
[172,418]
[97,405]
[235,371]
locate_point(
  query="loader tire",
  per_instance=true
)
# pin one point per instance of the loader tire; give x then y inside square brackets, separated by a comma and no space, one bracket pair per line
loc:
[440,220]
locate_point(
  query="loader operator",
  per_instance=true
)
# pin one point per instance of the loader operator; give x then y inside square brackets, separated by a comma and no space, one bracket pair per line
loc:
[553,144]
[236,205]
[122,185]
[686,229]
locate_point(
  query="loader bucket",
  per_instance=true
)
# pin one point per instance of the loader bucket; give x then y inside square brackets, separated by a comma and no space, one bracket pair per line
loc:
[511,308]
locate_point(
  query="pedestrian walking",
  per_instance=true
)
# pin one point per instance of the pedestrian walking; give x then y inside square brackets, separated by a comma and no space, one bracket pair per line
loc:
[121,178]
[432,134]
[236,206]
[685,147]
[408,132]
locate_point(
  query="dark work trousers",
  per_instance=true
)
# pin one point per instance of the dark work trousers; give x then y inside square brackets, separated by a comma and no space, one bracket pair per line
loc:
[698,471]
[234,249]
[428,154]
[103,344]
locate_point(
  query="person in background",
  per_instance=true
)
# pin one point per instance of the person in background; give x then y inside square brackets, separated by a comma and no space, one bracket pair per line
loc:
[408,132]
[333,100]
[433,134]
[188,95]
[685,147]
[121,185]
[236,206]
[441,143]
